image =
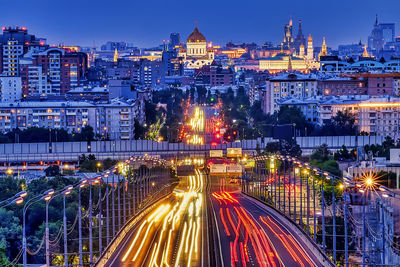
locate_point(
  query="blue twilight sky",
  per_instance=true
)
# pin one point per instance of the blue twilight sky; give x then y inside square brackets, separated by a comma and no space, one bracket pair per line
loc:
[147,23]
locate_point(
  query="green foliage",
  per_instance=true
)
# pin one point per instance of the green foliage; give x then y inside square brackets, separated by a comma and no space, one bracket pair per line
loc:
[343,123]
[345,154]
[3,249]
[320,153]
[175,100]
[108,163]
[139,130]
[40,134]
[151,112]
[340,236]
[322,159]
[10,186]
[52,170]
[292,115]
[86,134]
[201,94]
[382,150]
[284,147]
[10,234]
[88,164]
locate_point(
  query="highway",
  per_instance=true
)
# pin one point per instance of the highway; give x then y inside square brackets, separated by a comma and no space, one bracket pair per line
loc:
[251,236]
[207,221]
[173,234]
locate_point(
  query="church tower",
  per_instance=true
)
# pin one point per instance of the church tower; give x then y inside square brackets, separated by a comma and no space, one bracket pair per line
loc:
[310,48]
[115,59]
[300,39]
[301,51]
[324,49]
[287,37]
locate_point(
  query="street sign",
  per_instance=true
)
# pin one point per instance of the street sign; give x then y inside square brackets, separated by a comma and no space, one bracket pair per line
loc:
[216,154]
[234,169]
[217,169]
[233,152]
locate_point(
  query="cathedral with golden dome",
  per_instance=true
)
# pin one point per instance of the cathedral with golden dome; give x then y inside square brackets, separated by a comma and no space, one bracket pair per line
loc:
[197,54]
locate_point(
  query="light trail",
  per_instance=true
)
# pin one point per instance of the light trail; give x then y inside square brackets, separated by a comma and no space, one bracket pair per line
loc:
[188,210]
[181,245]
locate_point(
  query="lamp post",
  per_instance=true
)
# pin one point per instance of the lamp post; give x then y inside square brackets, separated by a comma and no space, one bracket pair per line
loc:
[98,165]
[66,192]
[47,197]
[100,219]
[81,185]
[107,210]
[27,205]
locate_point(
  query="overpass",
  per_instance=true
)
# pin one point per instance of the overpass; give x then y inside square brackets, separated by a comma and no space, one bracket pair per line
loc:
[70,151]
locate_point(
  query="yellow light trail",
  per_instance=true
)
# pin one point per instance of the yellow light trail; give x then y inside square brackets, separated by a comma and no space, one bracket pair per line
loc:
[144,239]
[191,244]
[181,245]
[187,236]
[134,241]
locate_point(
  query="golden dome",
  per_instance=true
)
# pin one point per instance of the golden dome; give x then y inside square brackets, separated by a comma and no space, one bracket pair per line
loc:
[310,38]
[196,36]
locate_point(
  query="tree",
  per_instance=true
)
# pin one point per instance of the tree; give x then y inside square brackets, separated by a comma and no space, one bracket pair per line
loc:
[284,147]
[3,249]
[139,130]
[320,153]
[344,154]
[108,163]
[10,231]
[52,170]
[293,115]
[201,94]
[382,150]
[343,123]
[151,112]
[86,134]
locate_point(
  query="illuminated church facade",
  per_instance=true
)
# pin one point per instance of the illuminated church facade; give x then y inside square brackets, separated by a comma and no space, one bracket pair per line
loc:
[197,53]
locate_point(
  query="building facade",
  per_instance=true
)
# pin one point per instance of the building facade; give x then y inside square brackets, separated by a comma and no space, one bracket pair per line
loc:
[287,86]
[114,120]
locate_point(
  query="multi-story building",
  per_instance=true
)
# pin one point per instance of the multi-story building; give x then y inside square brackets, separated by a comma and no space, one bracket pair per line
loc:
[14,43]
[53,71]
[381,34]
[377,115]
[214,75]
[10,89]
[114,120]
[287,86]
[336,86]
[380,116]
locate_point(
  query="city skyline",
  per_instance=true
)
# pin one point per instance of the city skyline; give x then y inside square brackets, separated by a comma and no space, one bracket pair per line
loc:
[120,20]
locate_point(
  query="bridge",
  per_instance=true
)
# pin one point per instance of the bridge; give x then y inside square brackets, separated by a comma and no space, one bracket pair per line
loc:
[70,151]
[279,212]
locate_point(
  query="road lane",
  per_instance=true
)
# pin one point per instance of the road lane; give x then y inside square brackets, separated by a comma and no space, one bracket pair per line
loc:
[250,235]
[172,233]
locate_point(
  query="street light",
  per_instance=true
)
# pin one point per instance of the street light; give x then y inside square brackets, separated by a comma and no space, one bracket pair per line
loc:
[45,196]
[98,166]
[80,186]
[9,172]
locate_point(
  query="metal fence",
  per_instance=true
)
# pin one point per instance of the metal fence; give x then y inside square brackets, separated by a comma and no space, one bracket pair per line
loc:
[107,203]
[351,222]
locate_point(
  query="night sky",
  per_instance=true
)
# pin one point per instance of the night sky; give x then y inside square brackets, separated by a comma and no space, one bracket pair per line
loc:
[148,23]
